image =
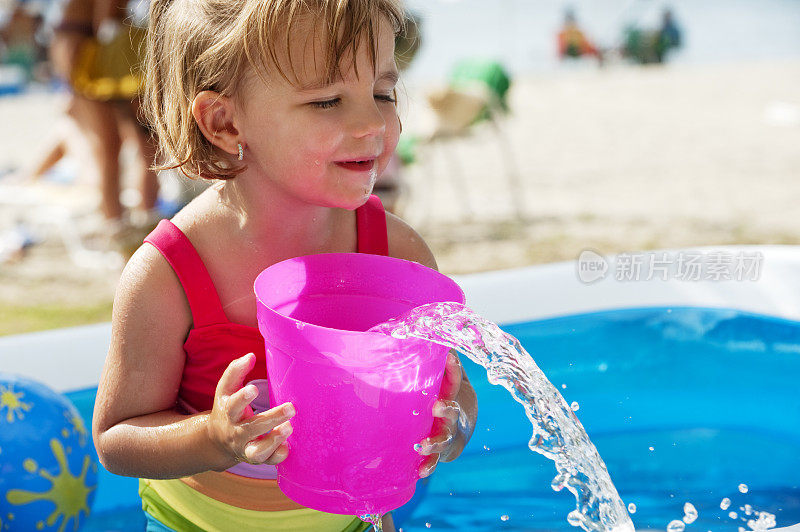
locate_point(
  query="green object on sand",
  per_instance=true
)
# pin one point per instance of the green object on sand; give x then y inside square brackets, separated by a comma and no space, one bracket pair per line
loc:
[487,72]
[406,148]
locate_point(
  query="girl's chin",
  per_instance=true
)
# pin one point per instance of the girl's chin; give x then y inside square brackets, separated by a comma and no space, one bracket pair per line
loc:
[356,200]
[354,196]
[345,199]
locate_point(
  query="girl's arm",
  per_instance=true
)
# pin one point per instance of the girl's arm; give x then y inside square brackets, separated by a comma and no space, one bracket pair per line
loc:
[136,427]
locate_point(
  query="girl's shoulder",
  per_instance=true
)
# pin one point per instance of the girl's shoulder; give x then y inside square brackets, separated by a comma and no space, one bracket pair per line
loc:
[406,243]
[149,277]
[149,292]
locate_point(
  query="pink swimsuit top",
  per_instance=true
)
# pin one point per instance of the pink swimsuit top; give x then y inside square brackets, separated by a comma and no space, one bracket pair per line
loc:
[214,341]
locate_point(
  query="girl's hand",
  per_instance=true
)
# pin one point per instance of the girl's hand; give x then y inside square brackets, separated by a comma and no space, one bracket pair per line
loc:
[446,412]
[241,435]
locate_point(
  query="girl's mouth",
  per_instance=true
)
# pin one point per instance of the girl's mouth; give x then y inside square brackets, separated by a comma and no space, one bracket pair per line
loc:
[357,166]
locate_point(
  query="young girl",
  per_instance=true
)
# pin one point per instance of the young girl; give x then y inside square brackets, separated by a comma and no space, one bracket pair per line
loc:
[290,105]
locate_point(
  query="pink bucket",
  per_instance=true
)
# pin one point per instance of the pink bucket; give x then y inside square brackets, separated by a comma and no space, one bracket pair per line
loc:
[363,399]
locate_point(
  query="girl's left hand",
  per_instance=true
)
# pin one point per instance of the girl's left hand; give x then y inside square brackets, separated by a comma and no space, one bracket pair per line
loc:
[446,412]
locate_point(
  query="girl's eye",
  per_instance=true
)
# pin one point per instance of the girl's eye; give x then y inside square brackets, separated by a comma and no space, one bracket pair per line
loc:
[327,104]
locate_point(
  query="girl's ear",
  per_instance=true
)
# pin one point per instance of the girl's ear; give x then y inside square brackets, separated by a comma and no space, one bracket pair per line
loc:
[214,115]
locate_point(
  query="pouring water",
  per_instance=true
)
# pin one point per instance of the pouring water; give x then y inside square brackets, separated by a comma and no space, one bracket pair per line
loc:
[557,433]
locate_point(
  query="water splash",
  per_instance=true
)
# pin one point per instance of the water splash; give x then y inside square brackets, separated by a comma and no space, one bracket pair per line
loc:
[764,521]
[376,520]
[69,493]
[755,519]
[557,433]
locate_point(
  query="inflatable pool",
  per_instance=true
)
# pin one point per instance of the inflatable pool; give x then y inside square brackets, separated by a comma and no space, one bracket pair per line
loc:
[687,387]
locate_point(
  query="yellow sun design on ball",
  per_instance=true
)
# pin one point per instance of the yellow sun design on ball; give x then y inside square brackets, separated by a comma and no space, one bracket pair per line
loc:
[13,402]
[69,493]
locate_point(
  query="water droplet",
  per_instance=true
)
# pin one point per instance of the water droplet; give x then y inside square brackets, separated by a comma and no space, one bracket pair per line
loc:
[748,510]
[669,311]
[574,518]
[743,488]
[631,508]
[424,392]
[504,518]
[574,406]
[415,412]
[563,386]
[427,525]
[690,513]
[733,515]
[417,447]
[487,447]
[725,503]
[602,367]
[652,448]
[676,526]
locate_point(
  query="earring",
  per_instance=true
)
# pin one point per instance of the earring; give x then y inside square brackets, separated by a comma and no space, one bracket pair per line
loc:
[241,151]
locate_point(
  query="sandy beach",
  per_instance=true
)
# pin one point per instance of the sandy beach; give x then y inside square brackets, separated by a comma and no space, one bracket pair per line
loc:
[613,159]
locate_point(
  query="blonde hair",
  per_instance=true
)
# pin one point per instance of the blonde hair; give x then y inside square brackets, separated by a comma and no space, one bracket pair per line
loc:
[197,45]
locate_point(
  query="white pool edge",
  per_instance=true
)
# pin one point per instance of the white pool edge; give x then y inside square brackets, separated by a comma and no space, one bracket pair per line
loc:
[551,290]
[72,358]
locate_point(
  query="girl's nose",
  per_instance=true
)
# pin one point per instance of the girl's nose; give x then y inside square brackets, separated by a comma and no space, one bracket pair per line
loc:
[368,121]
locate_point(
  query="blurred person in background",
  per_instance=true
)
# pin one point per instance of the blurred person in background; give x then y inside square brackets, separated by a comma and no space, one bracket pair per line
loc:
[669,35]
[19,45]
[572,41]
[94,48]
[652,45]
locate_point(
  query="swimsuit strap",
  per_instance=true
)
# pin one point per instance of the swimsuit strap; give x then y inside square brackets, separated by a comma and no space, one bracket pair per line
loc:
[192,273]
[197,284]
[371,227]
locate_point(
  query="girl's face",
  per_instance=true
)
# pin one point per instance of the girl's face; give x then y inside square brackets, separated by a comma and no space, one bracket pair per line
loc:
[322,144]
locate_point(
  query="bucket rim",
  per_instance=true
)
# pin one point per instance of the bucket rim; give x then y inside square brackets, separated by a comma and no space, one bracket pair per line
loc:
[362,256]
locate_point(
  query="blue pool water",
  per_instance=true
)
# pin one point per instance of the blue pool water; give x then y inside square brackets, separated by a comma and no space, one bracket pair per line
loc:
[683,404]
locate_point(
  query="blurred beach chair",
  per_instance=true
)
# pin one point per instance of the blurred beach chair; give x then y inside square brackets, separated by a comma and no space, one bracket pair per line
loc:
[65,212]
[475,95]
[55,212]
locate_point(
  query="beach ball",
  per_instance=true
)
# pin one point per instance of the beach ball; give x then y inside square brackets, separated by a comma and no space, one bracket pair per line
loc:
[48,466]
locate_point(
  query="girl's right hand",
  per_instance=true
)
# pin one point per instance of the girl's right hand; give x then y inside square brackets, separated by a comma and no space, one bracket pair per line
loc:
[240,434]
